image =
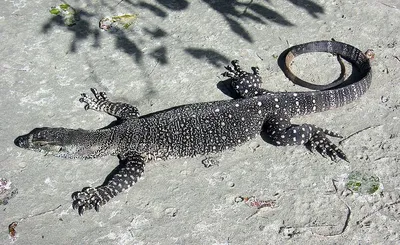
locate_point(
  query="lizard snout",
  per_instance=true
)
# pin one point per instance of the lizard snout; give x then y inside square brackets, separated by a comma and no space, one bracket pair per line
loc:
[21,141]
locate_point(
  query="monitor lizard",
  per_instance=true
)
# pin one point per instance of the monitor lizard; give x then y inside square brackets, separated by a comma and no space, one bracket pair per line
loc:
[201,128]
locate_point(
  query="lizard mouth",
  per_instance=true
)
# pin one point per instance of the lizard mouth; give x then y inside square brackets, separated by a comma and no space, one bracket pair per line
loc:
[26,141]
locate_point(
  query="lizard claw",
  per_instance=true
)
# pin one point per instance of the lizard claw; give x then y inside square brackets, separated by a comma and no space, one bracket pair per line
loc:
[90,198]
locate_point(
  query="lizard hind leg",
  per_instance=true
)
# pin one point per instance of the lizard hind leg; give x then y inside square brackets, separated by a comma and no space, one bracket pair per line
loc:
[281,132]
[126,174]
[244,83]
[100,102]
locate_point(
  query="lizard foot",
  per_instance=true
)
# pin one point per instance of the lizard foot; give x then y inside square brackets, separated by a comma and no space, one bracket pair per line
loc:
[325,147]
[235,71]
[246,84]
[100,102]
[90,198]
[96,103]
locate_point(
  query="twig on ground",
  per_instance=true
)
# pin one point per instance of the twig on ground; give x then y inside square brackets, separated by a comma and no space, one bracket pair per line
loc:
[388,5]
[357,132]
[41,213]
[348,215]
[379,209]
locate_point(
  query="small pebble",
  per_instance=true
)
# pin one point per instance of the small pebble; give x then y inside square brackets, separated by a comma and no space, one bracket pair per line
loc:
[209,162]
[254,145]
[171,212]
[384,99]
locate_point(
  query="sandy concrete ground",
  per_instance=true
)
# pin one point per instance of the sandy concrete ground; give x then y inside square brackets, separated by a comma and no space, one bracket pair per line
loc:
[174,55]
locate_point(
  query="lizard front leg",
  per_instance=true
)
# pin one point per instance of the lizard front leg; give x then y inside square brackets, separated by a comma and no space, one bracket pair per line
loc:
[283,133]
[128,172]
[100,102]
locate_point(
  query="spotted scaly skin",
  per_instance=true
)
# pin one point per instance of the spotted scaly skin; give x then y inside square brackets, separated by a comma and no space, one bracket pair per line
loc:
[198,129]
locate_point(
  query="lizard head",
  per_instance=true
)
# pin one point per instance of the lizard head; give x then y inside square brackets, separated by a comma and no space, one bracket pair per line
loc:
[59,142]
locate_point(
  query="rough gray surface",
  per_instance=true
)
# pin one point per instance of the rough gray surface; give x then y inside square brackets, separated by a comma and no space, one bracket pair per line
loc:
[174,55]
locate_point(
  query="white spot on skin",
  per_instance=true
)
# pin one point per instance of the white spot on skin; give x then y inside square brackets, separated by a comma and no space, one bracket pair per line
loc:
[237,105]
[277,106]
[217,110]
[259,103]
[276,99]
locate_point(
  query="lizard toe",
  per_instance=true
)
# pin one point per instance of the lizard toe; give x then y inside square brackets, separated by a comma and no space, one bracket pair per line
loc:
[227,73]
[103,96]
